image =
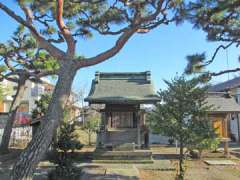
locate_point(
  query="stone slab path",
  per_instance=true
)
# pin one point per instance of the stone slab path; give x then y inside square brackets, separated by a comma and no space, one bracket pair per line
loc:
[220,162]
[106,173]
[95,171]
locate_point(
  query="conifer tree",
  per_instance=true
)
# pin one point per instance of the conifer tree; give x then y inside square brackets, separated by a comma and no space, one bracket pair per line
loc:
[182,115]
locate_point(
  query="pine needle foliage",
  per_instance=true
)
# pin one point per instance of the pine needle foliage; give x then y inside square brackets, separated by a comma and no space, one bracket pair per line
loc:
[221,21]
[183,114]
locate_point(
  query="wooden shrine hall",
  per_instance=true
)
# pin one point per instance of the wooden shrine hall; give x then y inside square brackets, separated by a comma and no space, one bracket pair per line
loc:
[122,118]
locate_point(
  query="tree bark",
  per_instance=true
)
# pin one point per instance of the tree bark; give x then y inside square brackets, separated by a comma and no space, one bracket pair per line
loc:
[29,158]
[12,114]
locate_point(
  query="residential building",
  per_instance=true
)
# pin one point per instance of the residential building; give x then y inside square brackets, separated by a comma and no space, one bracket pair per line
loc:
[33,92]
[233,88]
[223,113]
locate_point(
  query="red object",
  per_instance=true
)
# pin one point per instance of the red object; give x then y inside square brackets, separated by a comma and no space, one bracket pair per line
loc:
[22,118]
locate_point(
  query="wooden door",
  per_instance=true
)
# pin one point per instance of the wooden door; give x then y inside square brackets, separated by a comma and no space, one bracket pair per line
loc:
[218,126]
[122,120]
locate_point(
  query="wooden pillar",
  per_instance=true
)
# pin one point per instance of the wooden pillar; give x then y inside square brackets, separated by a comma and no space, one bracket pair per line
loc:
[146,130]
[226,138]
[104,121]
[138,130]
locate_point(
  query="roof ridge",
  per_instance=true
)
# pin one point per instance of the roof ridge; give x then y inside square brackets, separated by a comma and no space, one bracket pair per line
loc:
[122,87]
[230,80]
[146,75]
[136,72]
[232,83]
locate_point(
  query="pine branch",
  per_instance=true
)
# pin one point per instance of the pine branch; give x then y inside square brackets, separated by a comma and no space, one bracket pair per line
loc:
[224,72]
[216,52]
[109,53]
[54,51]
[65,30]
[126,33]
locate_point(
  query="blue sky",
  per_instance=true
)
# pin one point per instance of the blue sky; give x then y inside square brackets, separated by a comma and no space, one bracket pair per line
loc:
[162,51]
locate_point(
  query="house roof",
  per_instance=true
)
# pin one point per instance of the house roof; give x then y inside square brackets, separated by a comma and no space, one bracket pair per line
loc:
[124,88]
[230,84]
[222,104]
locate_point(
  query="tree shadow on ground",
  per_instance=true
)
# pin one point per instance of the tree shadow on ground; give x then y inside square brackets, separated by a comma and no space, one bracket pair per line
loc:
[6,162]
[5,173]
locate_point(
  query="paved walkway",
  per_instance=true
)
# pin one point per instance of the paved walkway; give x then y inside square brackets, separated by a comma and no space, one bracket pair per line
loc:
[95,171]
[104,173]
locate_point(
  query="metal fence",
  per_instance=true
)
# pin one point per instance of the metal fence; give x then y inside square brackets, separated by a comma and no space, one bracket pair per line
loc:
[21,136]
[21,133]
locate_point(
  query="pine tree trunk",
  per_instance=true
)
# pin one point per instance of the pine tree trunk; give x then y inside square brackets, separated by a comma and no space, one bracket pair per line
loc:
[12,114]
[30,157]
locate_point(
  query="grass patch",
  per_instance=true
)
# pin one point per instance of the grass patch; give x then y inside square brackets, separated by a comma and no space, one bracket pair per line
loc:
[83,137]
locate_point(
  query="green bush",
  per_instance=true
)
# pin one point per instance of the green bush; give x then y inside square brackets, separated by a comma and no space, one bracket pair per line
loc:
[64,146]
[66,138]
[213,144]
[206,144]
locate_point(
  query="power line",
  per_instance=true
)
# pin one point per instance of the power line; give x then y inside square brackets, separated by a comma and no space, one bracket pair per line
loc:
[227,62]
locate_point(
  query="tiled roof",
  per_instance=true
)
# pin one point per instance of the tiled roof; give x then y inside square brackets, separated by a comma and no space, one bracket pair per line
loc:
[221,103]
[230,84]
[122,88]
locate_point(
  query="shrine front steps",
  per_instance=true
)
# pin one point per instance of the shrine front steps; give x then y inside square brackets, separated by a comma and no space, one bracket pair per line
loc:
[137,156]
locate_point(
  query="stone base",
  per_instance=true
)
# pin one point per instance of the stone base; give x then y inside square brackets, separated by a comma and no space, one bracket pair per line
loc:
[118,147]
[124,147]
[220,162]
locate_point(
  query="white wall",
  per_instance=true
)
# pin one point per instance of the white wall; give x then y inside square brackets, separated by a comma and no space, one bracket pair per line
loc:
[234,127]
[31,94]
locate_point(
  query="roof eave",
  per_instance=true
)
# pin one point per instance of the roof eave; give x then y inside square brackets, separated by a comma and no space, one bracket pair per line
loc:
[125,101]
[224,112]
